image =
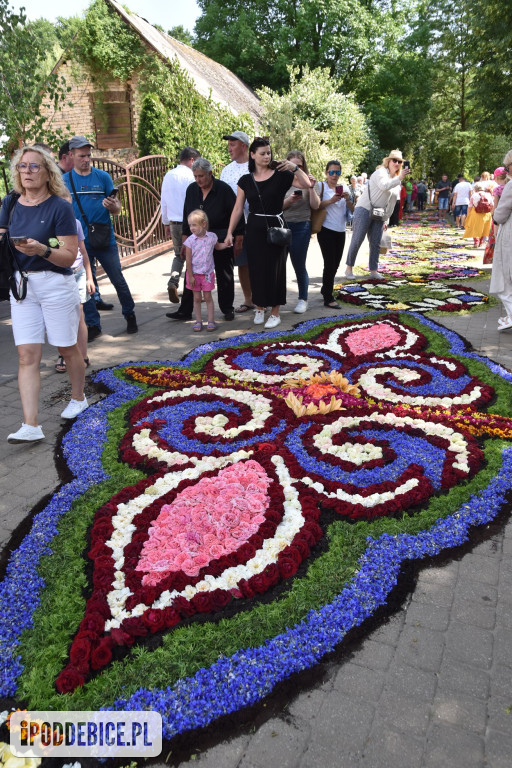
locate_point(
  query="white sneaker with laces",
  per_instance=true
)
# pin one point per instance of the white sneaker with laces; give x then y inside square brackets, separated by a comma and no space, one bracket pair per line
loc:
[26,434]
[74,408]
[273,321]
[301,306]
[259,317]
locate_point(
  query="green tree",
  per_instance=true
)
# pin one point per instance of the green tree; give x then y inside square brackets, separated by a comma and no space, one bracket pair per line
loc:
[260,39]
[315,117]
[181,34]
[27,81]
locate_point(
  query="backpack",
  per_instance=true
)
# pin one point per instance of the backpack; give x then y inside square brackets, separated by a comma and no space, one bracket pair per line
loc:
[483,206]
[8,259]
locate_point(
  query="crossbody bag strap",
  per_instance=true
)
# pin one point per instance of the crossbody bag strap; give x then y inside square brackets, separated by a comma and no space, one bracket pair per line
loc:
[261,201]
[278,216]
[84,217]
[370,194]
[12,205]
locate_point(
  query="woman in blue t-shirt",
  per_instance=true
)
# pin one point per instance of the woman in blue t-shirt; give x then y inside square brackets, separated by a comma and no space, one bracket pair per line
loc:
[43,229]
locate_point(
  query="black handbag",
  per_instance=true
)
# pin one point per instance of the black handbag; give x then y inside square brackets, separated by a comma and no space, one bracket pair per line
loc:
[98,232]
[9,262]
[280,236]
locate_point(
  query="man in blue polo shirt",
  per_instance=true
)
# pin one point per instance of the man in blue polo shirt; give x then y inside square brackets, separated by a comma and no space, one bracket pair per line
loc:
[91,191]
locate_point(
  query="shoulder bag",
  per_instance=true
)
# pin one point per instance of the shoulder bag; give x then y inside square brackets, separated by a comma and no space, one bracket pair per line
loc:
[377,214]
[281,236]
[318,215]
[99,233]
[9,263]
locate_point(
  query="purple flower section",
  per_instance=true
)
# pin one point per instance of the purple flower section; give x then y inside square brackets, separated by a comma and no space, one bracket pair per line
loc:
[251,674]
[21,588]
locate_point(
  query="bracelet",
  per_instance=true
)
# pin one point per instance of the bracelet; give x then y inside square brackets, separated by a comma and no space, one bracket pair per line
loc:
[47,253]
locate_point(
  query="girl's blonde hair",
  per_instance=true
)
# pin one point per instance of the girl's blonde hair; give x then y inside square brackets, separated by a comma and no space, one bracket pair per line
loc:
[200,215]
[55,184]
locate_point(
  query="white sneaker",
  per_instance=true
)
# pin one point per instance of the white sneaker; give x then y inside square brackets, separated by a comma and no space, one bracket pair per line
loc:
[259,317]
[26,434]
[74,408]
[301,306]
[273,321]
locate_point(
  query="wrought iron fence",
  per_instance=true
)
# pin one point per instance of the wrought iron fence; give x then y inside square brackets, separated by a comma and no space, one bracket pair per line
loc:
[138,228]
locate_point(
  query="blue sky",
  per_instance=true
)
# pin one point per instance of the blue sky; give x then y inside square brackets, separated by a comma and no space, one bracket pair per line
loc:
[167,13]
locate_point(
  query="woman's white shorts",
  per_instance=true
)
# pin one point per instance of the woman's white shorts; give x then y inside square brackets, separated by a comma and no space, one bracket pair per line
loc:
[52,304]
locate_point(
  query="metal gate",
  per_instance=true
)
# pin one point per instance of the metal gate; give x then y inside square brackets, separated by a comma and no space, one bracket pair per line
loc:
[138,228]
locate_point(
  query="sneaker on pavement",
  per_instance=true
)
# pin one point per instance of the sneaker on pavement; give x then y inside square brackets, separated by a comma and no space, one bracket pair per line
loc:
[229,316]
[26,434]
[93,331]
[259,317]
[301,306]
[131,324]
[74,408]
[172,292]
[273,321]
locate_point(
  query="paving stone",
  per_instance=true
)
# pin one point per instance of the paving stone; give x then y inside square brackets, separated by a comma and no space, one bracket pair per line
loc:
[432,593]
[460,710]
[374,655]
[306,705]
[420,647]
[503,646]
[391,749]
[469,645]
[411,681]
[444,575]
[480,568]
[404,713]
[323,754]
[461,678]
[226,754]
[276,743]
[428,616]
[500,682]
[467,589]
[474,613]
[499,710]
[356,680]
[344,722]
[498,749]
[389,632]
[449,747]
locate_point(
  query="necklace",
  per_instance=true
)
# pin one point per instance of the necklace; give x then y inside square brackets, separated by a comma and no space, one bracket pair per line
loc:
[36,201]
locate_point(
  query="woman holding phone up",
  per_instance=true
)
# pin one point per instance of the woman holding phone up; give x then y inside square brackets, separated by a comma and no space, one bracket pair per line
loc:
[264,187]
[335,199]
[382,191]
[42,228]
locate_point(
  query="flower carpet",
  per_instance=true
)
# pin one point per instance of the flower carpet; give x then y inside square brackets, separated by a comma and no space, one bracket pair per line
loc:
[417,272]
[230,517]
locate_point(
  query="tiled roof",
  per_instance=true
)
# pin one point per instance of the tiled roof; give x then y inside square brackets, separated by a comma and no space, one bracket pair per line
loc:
[210,77]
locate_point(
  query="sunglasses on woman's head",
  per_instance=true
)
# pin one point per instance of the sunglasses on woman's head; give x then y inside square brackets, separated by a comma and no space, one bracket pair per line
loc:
[334,173]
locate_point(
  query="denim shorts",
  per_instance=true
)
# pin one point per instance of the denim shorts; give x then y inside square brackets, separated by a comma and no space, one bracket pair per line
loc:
[443,203]
[460,210]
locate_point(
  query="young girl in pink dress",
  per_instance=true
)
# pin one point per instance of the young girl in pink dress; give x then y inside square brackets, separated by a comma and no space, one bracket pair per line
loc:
[199,249]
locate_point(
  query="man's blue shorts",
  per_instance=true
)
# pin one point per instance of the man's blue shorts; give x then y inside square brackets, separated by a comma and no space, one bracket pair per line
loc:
[443,203]
[460,210]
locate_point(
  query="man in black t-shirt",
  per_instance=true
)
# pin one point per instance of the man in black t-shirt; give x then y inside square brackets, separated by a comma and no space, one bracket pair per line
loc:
[443,191]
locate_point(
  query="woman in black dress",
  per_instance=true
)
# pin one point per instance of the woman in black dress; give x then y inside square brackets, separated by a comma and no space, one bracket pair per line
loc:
[265,188]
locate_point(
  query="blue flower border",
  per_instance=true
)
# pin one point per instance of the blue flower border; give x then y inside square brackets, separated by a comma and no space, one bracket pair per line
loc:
[249,675]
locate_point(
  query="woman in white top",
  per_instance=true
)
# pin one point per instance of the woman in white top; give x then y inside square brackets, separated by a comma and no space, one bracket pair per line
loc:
[383,190]
[331,237]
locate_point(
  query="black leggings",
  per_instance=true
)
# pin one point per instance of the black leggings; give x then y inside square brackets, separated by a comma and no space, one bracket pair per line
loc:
[331,244]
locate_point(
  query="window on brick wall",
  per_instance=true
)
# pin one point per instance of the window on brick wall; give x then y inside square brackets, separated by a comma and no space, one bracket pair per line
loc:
[113,120]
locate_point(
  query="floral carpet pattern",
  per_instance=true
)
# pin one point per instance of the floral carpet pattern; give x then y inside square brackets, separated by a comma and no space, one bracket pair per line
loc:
[417,272]
[231,516]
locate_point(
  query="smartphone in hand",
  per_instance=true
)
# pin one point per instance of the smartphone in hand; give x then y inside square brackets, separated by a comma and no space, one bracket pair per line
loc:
[407,164]
[339,189]
[19,240]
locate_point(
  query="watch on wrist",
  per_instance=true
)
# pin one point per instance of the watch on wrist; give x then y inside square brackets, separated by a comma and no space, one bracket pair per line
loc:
[296,169]
[47,253]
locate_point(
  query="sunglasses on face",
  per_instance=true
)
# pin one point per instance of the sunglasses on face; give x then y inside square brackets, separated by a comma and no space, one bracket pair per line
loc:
[399,162]
[334,173]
